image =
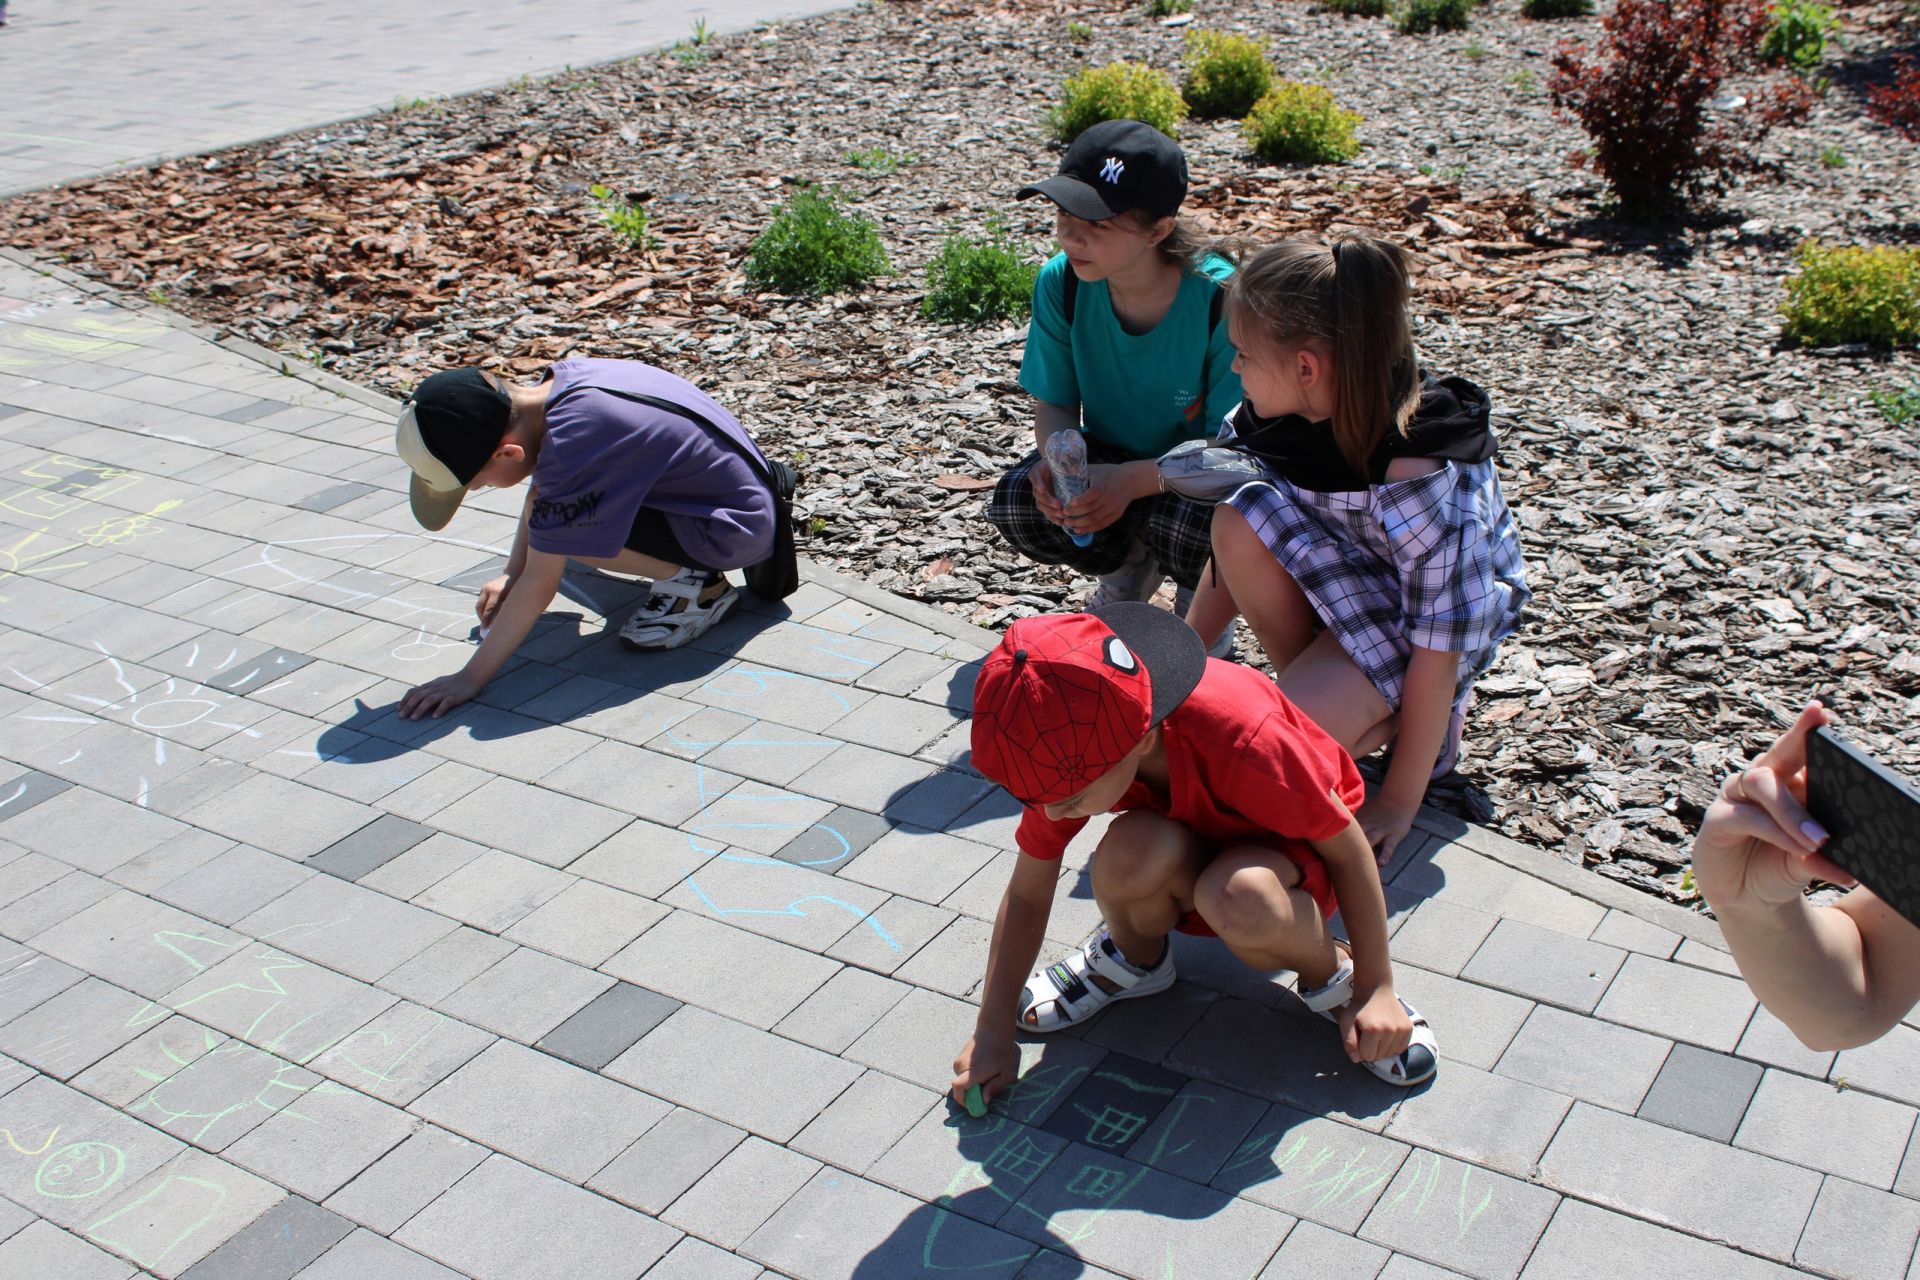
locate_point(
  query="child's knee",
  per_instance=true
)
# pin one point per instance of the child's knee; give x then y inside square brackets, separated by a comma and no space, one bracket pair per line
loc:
[1140,852]
[1253,900]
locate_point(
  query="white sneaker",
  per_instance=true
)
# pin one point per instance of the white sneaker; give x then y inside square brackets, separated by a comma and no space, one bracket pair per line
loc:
[1222,648]
[1137,579]
[678,609]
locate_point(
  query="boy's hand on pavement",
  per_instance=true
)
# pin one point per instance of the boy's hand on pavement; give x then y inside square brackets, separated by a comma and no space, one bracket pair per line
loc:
[1385,825]
[989,1060]
[1758,846]
[437,697]
[492,596]
[1374,1028]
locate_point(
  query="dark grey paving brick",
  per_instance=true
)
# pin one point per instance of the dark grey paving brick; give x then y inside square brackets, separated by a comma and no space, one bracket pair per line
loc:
[1114,1103]
[1200,1130]
[277,1245]
[258,672]
[29,789]
[831,842]
[608,1026]
[337,495]
[253,409]
[1455,1215]
[1699,1091]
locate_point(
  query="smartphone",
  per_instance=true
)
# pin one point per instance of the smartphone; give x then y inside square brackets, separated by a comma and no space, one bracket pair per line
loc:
[1872,816]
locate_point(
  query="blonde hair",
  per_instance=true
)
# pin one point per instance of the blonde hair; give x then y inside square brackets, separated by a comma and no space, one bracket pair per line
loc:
[1350,295]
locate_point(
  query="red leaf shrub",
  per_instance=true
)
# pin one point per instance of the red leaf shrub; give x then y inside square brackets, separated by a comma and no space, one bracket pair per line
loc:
[1644,97]
[1898,104]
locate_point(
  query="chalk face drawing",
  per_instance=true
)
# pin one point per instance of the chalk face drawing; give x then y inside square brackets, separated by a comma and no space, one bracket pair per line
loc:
[80,1170]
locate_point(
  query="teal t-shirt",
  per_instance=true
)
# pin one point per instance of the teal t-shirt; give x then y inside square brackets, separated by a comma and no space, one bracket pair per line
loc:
[1144,392]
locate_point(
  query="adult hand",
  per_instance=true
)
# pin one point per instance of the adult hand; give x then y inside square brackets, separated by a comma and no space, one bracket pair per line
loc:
[1385,824]
[1042,478]
[989,1060]
[492,596]
[437,697]
[1374,1028]
[1106,499]
[1758,846]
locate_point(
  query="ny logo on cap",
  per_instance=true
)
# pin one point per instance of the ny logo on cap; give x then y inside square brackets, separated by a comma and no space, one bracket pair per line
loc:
[1112,169]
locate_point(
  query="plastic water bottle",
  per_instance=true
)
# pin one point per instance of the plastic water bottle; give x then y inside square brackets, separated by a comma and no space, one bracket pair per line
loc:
[1067,459]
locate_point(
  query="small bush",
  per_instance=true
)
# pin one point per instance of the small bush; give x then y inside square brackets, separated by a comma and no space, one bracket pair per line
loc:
[625,218]
[1899,407]
[880,159]
[1226,74]
[1833,157]
[1849,293]
[1301,124]
[1418,17]
[974,280]
[1898,104]
[1167,8]
[1796,35]
[1545,10]
[813,245]
[1079,32]
[1524,81]
[1117,91]
[1357,8]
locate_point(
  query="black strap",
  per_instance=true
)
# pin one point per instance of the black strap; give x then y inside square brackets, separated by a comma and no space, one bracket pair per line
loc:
[1069,286]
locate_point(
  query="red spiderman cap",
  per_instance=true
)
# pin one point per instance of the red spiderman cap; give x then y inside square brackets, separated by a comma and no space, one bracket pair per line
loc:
[1066,696]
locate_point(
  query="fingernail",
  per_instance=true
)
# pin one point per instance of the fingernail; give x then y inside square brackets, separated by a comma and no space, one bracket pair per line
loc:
[1813,831]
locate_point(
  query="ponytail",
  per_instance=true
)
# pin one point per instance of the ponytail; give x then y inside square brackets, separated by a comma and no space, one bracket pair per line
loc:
[1350,296]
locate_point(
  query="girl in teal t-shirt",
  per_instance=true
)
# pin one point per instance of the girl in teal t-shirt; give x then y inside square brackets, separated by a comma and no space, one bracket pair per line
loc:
[1127,344]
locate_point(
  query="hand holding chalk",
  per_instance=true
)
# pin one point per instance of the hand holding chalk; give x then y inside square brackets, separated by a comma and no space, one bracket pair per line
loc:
[976,1104]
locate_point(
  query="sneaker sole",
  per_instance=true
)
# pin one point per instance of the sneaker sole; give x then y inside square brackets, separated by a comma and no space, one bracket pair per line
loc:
[719,611]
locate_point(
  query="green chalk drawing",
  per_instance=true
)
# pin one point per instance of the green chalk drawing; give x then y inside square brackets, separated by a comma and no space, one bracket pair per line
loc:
[177,941]
[80,1170]
[230,1078]
[379,1055]
[1467,1217]
[146,1256]
[1112,1127]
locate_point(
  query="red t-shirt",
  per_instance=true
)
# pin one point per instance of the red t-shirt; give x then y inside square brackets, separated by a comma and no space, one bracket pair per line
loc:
[1242,761]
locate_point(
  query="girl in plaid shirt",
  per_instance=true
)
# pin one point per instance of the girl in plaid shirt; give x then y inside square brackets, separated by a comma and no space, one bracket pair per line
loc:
[1378,565]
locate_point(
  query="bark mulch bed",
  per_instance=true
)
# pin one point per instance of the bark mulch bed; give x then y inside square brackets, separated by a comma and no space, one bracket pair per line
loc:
[1716,525]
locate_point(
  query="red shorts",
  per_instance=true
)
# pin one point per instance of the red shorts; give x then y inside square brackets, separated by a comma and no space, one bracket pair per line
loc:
[1313,879]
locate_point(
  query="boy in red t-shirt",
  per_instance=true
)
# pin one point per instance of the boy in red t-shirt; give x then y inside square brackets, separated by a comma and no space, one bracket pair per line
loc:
[1236,819]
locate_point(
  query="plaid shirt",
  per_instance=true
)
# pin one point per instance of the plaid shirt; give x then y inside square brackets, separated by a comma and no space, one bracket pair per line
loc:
[1433,561]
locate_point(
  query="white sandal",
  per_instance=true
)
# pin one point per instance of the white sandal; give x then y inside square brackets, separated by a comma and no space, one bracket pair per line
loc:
[1065,993]
[1411,1066]
[678,609]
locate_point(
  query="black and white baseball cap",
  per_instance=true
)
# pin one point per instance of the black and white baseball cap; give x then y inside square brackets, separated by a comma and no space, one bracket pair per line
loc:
[1115,166]
[447,431]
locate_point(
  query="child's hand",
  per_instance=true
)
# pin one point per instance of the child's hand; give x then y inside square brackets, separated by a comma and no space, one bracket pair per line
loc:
[1104,502]
[1385,824]
[1757,845]
[989,1060]
[492,596]
[1042,478]
[437,697]
[1375,1028]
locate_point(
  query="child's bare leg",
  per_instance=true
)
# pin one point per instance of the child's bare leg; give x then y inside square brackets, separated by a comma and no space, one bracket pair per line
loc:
[631,563]
[1251,896]
[1270,600]
[1325,682]
[1143,874]
[1213,609]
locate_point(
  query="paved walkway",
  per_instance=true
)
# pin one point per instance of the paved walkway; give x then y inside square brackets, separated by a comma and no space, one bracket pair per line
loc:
[90,85]
[656,965]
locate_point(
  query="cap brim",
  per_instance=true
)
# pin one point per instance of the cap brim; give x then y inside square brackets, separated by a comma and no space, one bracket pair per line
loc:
[433,508]
[1174,657]
[1073,195]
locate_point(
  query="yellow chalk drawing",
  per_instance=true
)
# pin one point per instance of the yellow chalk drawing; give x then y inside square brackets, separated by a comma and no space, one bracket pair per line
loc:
[212,1193]
[115,530]
[121,328]
[39,553]
[70,344]
[9,361]
[37,1150]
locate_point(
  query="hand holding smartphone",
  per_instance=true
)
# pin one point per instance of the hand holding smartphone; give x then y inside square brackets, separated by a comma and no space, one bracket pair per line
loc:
[1872,818]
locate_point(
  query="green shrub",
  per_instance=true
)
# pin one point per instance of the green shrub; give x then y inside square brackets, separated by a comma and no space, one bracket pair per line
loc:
[625,218]
[1797,33]
[1358,8]
[813,245]
[1079,32]
[1850,293]
[1417,17]
[973,280]
[880,159]
[1899,407]
[1167,8]
[1301,124]
[1833,157]
[1226,74]
[1547,9]
[1117,91]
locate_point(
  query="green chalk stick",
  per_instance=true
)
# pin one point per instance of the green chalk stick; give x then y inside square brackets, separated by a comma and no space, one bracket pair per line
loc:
[976,1105]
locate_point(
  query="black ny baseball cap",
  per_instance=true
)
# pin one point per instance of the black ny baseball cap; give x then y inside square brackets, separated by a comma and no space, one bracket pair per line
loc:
[1115,166]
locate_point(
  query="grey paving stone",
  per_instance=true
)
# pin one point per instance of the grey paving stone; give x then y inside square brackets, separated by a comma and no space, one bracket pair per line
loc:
[937,802]
[1857,1232]
[693,1259]
[1841,1131]
[447,965]
[324,1141]
[27,873]
[540,1110]
[892,934]
[1679,1002]
[93,832]
[1699,1091]
[905,672]
[402,1182]
[347,927]
[894,724]
[1885,1066]
[978,1168]
[62,899]
[76,1028]
[1470,879]
[206,1088]
[13,1219]
[178,1214]
[707,963]
[402,1053]
[276,1245]
[493,891]
[1472,1024]
[1440,936]
[1199,1131]
[171,946]
[741,1192]
[233,884]
[277,815]
[496,1224]
[1311,1168]
[828,843]
[530,821]
[1584,1242]
[1284,1058]
[1489,1119]
[640,782]
[1768,1040]
[670,1157]
[1541,964]
[609,1025]
[1681,1181]
[842,1010]
[1701,956]
[526,995]
[713,1064]
[1632,933]
[862,777]
[433,790]
[766,752]
[364,1254]
[1312,1250]
[1136,1220]
[369,848]
[860,1125]
[277,1002]
[798,905]
[1455,1215]
[839,1224]
[1401,1267]
[955,961]
[752,816]
[1587,1058]
[928,865]
[1148,1028]
[42,1249]
[422,867]
[21,793]
[917,1038]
